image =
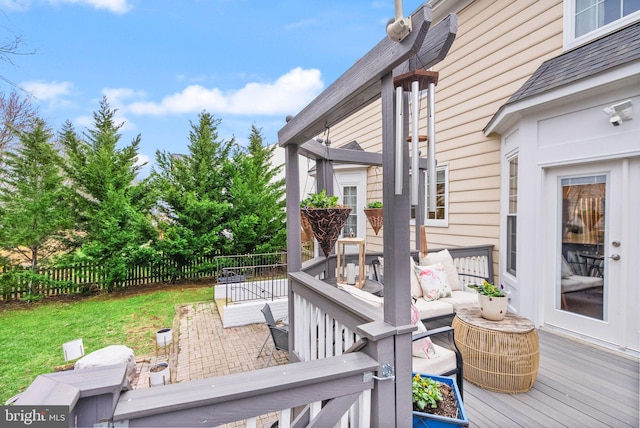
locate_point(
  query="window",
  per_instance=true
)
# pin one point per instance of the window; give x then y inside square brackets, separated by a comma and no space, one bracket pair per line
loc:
[350,199]
[512,216]
[586,20]
[439,217]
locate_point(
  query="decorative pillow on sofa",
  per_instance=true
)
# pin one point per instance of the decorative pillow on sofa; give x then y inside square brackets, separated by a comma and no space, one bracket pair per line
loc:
[444,257]
[416,289]
[433,281]
[421,348]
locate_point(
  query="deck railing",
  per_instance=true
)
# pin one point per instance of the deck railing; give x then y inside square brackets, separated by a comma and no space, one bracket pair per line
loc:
[253,277]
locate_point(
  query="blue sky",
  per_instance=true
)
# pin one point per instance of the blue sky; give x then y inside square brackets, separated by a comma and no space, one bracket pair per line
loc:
[162,62]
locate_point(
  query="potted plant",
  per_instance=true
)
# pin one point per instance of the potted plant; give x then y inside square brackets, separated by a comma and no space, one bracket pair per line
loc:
[374,215]
[159,374]
[492,301]
[436,402]
[326,218]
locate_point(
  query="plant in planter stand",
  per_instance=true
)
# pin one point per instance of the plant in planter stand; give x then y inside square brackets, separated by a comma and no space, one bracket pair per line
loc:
[437,402]
[326,218]
[374,215]
[492,301]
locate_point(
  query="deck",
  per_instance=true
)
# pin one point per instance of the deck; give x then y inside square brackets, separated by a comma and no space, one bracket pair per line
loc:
[578,385]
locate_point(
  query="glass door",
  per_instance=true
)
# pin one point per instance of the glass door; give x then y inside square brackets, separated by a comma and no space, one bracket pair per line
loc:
[582,224]
[585,286]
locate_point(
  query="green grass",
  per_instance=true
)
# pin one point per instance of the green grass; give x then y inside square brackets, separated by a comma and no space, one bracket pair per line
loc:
[31,336]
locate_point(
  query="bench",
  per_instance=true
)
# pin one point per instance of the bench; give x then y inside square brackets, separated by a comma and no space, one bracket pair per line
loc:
[464,266]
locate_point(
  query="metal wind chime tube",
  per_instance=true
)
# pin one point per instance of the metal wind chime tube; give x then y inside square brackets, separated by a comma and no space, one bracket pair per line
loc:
[415,138]
[431,146]
[399,139]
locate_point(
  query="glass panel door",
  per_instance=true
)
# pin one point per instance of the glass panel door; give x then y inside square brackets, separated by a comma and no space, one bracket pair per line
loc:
[583,223]
[350,199]
[586,226]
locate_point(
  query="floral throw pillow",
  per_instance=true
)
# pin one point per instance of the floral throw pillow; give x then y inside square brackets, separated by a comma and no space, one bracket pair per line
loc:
[433,280]
[423,348]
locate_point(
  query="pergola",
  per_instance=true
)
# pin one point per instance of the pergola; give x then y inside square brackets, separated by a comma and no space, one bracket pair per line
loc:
[370,78]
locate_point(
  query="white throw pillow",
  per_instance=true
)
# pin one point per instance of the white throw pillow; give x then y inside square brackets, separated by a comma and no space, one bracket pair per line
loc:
[416,289]
[444,257]
[433,281]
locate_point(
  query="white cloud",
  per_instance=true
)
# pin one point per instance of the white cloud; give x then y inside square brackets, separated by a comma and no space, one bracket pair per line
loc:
[116,98]
[52,93]
[115,6]
[142,159]
[287,95]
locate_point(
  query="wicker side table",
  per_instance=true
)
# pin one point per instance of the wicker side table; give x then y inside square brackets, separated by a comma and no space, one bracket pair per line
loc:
[501,356]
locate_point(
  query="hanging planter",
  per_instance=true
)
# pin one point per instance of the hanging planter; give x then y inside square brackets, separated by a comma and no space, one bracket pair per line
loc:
[326,224]
[325,217]
[374,215]
[307,232]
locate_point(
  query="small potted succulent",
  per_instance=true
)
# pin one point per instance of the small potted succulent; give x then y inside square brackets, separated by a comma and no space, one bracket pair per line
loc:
[492,300]
[326,218]
[374,215]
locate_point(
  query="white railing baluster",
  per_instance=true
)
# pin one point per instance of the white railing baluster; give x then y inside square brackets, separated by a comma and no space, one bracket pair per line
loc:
[284,421]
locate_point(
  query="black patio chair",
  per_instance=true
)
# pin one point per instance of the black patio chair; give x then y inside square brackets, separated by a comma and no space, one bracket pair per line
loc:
[271,321]
[280,336]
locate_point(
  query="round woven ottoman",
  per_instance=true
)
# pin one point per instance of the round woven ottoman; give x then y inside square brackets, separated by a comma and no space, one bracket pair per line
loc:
[500,356]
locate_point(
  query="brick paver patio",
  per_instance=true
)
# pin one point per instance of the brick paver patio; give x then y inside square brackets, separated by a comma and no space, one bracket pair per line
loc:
[204,348]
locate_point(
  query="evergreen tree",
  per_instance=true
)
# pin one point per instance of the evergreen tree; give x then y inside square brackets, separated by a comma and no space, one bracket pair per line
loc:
[34,206]
[112,209]
[193,190]
[258,220]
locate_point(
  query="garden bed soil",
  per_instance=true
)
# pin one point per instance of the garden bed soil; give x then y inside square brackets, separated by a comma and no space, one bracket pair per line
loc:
[448,407]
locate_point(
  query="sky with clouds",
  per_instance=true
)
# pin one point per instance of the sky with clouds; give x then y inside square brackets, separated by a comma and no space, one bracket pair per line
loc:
[162,62]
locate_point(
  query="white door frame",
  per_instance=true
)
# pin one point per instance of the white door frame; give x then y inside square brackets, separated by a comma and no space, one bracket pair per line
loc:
[350,176]
[619,328]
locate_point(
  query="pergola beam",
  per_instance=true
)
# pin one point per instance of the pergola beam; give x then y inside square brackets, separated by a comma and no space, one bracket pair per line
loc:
[358,86]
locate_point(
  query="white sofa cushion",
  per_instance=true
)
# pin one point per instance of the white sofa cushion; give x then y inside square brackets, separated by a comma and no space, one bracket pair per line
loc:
[434,308]
[444,257]
[362,295]
[416,289]
[444,362]
[577,283]
[462,299]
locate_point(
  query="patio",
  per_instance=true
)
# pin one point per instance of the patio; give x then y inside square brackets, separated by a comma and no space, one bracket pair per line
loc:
[577,384]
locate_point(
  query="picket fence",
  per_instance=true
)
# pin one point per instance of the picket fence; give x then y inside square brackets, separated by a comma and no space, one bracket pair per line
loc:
[16,283]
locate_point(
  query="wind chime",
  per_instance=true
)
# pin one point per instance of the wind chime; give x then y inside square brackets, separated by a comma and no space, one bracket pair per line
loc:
[415,82]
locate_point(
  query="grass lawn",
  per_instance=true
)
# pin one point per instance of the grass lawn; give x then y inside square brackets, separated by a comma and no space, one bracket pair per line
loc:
[32,334]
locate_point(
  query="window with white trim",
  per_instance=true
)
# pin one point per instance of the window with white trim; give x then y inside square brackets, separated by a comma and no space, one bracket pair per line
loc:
[440,217]
[586,20]
[512,216]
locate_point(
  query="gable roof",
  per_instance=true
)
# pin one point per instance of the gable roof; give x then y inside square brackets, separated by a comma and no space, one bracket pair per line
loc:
[613,50]
[610,51]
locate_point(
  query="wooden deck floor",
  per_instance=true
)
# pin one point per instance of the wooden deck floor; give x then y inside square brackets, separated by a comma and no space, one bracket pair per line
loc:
[578,385]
